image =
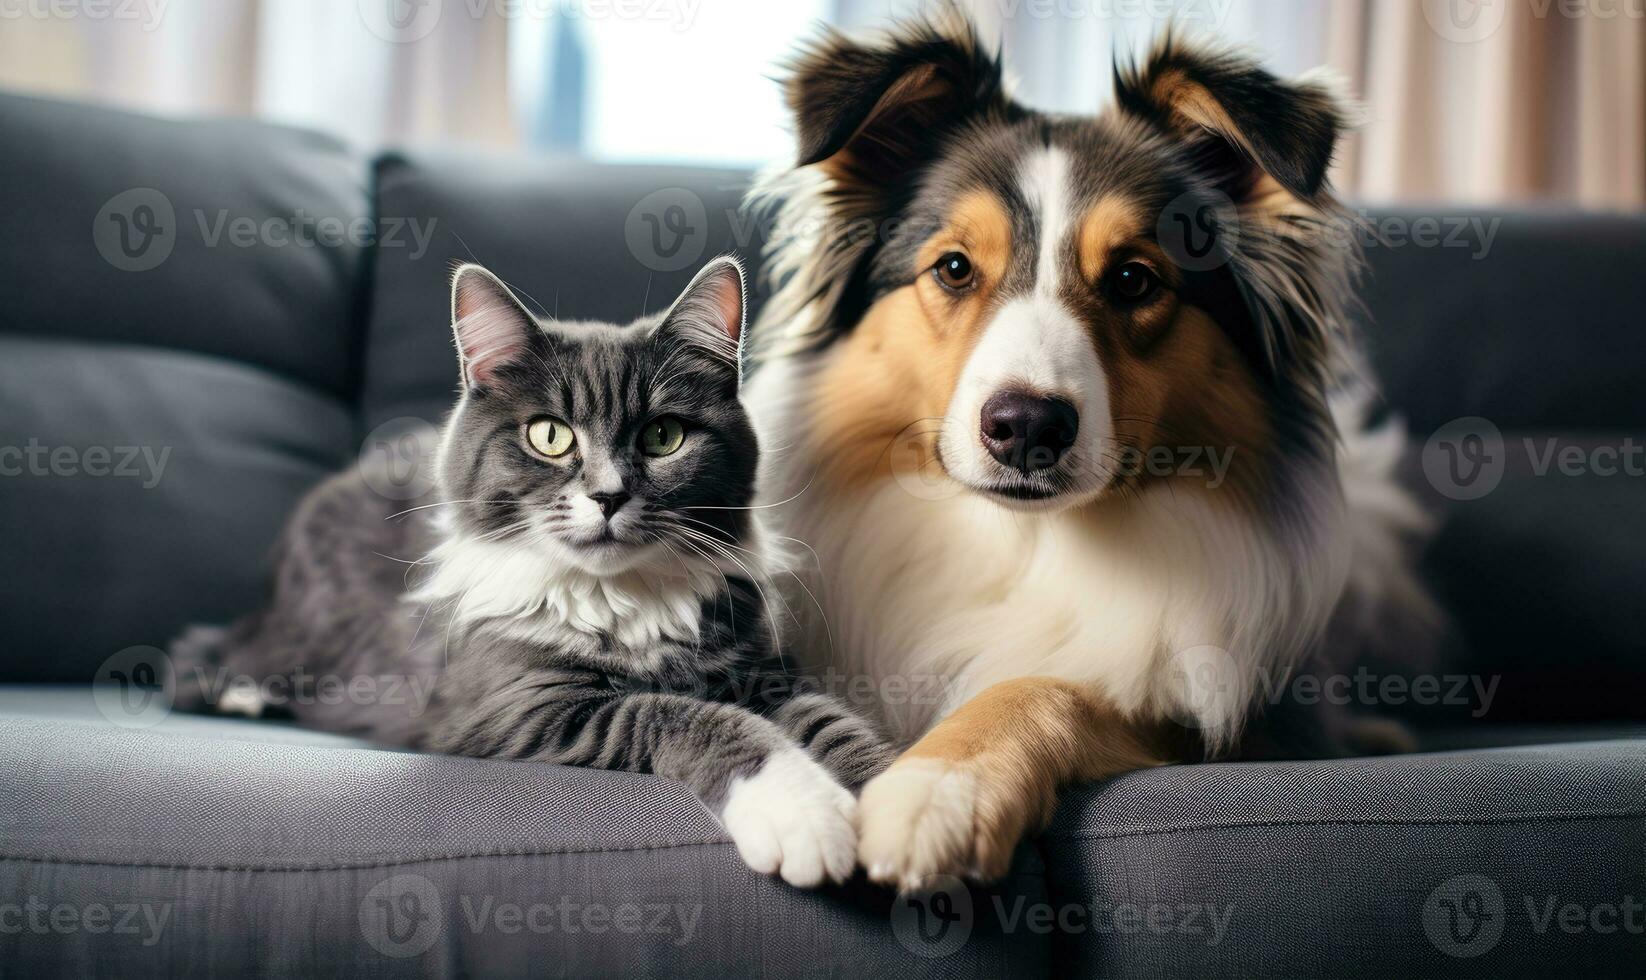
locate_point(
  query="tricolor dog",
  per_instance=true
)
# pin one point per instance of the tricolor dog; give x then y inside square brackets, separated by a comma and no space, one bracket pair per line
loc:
[1052,399]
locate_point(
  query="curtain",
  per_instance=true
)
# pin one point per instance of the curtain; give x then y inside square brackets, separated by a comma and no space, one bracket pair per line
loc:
[1481,101]
[337,65]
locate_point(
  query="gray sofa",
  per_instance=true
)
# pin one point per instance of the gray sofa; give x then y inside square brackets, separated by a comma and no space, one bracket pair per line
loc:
[180,360]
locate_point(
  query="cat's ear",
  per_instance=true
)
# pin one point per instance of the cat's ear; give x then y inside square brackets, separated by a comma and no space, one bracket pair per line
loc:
[711,310]
[491,326]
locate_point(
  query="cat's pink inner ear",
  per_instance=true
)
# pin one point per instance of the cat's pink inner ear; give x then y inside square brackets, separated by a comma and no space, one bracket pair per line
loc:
[723,291]
[491,327]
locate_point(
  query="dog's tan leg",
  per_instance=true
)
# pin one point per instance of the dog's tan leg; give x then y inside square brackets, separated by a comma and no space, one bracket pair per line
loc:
[960,799]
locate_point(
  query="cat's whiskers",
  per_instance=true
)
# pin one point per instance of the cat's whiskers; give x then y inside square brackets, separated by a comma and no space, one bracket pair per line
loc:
[753,579]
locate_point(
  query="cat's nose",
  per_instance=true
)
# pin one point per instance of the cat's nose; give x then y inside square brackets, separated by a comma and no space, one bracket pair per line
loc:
[609,503]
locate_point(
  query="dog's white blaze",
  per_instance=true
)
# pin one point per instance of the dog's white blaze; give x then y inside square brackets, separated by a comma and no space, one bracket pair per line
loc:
[1036,343]
[1045,186]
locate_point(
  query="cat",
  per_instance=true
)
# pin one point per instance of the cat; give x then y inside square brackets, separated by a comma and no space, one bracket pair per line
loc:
[590,591]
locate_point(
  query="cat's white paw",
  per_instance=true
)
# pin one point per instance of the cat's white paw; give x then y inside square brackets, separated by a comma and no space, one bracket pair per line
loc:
[792,818]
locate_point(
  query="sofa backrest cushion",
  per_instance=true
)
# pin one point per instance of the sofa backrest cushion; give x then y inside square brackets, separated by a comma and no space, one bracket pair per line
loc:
[179,354]
[578,240]
[1513,346]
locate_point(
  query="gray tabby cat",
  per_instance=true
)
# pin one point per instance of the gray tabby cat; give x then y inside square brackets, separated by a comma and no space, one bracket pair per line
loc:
[591,587]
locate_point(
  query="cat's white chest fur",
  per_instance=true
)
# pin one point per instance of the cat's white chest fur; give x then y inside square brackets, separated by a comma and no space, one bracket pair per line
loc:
[540,597]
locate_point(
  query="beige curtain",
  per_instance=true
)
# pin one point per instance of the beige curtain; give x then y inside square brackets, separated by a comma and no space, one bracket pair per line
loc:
[1491,101]
[308,62]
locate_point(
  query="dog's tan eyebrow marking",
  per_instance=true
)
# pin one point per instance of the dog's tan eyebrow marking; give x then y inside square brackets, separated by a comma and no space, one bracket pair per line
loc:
[1114,222]
[979,222]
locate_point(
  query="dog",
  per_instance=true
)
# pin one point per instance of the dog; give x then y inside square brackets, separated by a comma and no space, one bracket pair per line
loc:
[1099,479]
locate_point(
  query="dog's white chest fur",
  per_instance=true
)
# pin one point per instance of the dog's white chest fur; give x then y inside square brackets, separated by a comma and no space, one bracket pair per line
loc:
[1172,602]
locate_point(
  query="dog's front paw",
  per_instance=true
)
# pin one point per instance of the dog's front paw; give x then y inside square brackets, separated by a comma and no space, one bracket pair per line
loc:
[792,818]
[926,817]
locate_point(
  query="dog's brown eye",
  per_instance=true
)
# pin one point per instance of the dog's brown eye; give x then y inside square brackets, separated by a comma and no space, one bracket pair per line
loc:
[1132,281]
[954,271]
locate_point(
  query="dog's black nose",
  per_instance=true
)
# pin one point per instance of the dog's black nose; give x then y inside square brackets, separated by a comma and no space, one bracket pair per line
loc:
[609,502]
[1026,432]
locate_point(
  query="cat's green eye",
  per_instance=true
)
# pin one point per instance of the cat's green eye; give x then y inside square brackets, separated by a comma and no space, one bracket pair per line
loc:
[662,436]
[549,436]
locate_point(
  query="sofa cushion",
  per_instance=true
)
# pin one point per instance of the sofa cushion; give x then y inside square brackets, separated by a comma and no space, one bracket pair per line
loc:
[238,239]
[1490,862]
[178,363]
[580,240]
[246,857]
[1509,343]
[142,490]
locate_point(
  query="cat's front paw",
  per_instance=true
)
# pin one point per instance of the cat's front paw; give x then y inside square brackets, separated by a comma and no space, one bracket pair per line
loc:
[925,817]
[792,818]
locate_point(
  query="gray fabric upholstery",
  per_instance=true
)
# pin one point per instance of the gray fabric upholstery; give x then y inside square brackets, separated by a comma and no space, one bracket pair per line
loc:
[1346,868]
[270,857]
[1530,321]
[107,550]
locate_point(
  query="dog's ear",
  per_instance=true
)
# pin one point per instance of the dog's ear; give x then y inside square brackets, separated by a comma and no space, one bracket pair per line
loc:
[1241,122]
[870,112]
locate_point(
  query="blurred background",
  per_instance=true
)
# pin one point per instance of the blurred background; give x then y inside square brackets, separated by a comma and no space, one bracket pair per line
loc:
[1478,101]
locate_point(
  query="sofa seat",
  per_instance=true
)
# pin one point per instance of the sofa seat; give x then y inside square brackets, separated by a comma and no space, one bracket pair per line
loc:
[247,846]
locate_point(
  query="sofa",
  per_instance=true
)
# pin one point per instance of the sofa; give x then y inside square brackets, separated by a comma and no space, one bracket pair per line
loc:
[199,319]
